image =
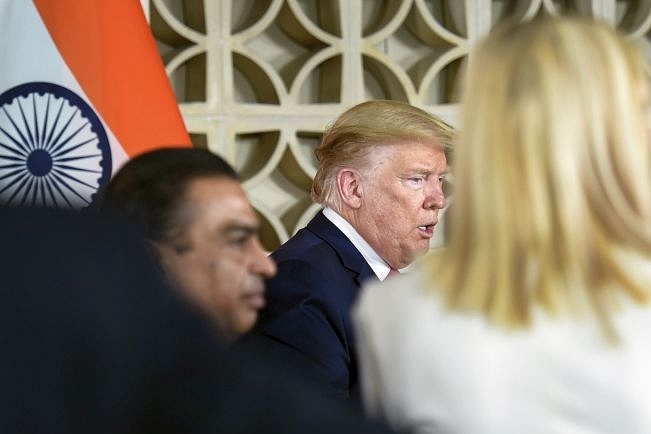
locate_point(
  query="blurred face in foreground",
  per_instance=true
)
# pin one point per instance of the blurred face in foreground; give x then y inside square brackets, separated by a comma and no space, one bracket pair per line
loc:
[400,198]
[218,260]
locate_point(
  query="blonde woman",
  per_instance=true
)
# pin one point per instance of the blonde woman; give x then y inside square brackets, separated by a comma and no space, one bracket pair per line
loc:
[535,318]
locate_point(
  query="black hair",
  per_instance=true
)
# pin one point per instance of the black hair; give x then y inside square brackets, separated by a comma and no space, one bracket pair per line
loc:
[150,188]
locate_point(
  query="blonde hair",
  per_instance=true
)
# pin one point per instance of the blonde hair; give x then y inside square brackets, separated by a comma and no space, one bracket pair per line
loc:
[350,140]
[552,204]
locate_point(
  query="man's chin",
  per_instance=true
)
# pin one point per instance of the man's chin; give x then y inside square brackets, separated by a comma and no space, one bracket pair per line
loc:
[247,321]
[421,250]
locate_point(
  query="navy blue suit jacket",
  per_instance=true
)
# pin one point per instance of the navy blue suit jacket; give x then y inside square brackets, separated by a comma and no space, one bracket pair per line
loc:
[306,325]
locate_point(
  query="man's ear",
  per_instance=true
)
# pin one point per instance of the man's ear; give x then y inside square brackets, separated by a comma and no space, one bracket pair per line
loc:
[349,184]
[160,252]
[164,256]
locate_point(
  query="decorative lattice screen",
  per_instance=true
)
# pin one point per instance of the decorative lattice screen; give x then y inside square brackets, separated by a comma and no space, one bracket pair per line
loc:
[258,80]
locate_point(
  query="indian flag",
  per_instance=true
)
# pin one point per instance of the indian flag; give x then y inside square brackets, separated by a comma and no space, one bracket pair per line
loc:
[82,90]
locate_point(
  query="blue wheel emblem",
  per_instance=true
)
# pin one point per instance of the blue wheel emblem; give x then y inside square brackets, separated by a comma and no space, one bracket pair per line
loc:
[54,151]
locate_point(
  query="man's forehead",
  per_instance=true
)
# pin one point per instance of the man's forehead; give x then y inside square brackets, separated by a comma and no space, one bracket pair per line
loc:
[214,184]
[415,154]
[219,199]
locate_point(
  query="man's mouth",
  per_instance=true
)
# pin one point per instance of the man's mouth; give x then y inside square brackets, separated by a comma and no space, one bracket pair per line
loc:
[255,299]
[427,230]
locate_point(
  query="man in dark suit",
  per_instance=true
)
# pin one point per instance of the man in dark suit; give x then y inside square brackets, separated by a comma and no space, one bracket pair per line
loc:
[381,170]
[93,341]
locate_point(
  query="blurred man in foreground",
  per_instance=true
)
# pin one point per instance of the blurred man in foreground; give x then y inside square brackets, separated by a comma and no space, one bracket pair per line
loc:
[202,229]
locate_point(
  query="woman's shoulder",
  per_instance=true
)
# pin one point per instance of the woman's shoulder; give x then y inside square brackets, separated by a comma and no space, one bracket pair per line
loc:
[396,300]
[403,288]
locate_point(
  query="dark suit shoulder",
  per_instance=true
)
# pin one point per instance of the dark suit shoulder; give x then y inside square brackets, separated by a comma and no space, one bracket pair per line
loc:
[304,243]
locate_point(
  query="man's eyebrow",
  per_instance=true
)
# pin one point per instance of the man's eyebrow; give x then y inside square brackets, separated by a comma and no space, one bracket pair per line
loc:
[249,228]
[425,171]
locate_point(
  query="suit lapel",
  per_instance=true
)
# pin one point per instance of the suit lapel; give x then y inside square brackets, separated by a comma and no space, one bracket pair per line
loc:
[350,257]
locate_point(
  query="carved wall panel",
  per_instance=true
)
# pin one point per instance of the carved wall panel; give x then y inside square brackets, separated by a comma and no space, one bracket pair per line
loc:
[258,81]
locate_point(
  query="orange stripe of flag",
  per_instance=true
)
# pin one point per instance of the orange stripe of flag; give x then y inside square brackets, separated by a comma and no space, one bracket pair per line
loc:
[112,54]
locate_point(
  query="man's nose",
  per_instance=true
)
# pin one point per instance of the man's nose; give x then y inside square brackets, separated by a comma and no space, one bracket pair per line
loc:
[435,197]
[263,264]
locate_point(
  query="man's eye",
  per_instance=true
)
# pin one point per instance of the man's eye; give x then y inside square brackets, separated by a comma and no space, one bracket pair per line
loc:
[416,179]
[239,241]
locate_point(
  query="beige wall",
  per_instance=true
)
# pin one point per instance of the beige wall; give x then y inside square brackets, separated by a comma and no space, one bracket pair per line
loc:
[258,80]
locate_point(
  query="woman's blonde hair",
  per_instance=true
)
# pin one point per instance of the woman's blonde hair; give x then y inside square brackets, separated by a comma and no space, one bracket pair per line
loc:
[351,138]
[552,203]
